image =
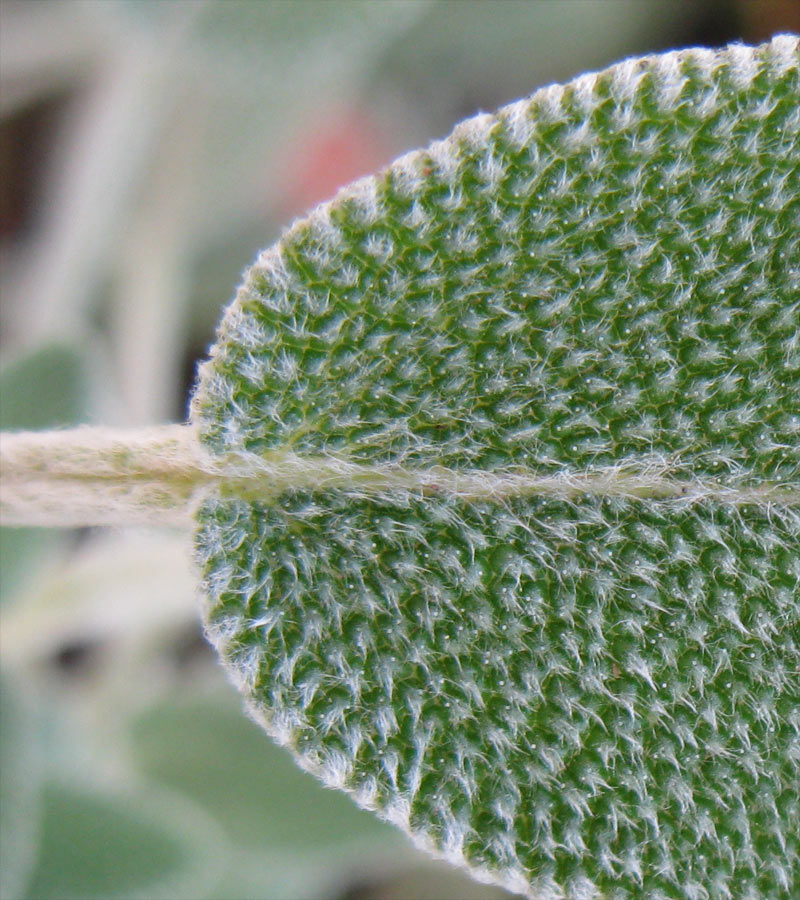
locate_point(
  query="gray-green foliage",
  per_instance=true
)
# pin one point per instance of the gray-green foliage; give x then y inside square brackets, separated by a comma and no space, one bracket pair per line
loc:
[562,646]
[19,791]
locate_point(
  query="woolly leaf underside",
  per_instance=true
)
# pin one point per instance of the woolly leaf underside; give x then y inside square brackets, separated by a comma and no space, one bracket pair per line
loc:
[580,693]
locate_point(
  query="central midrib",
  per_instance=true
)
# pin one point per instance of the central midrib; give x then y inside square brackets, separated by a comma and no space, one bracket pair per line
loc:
[91,476]
[254,477]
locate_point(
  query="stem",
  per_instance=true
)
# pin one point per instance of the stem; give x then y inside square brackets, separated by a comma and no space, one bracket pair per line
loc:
[158,476]
[102,476]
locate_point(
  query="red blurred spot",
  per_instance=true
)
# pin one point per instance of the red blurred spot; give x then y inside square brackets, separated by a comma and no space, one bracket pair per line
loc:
[332,152]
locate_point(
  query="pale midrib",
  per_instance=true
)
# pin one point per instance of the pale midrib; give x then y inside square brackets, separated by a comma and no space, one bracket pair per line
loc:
[98,476]
[285,471]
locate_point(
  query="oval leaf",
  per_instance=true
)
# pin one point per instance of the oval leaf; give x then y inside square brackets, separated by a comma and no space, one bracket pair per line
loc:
[512,554]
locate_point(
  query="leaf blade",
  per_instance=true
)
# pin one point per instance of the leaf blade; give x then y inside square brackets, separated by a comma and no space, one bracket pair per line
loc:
[549,690]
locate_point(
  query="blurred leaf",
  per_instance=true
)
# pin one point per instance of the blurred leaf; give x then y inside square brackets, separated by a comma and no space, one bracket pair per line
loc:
[21,549]
[148,576]
[20,778]
[214,755]
[294,839]
[43,389]
[101,846]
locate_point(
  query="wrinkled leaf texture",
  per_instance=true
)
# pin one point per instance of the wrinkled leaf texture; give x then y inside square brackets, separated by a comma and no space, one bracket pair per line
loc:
[550,623]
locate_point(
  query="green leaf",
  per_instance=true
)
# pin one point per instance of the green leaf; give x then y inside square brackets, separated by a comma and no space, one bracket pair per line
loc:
[262,801]
[519,563]
[20,778]
[122,845]
[294,839]
[45,388]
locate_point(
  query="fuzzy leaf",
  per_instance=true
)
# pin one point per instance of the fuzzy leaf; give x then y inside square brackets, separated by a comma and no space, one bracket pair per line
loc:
[519,565]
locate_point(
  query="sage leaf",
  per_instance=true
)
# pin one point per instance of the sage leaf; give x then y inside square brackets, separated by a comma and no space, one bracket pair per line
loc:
[512,554]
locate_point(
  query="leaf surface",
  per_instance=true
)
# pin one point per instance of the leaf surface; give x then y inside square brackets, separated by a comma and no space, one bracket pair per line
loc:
[518,565]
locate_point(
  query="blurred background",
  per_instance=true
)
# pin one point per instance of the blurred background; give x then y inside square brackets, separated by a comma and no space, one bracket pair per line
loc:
[148,150]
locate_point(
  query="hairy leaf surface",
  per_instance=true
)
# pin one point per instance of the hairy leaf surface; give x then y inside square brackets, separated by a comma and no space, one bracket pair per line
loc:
[518,565]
